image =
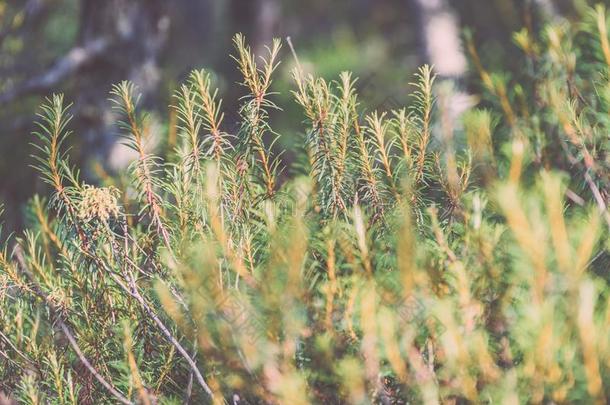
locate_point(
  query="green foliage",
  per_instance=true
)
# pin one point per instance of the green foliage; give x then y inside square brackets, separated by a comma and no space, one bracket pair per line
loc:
[412,259]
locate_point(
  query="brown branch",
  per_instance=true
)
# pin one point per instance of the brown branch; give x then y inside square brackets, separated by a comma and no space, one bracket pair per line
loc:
[65,66]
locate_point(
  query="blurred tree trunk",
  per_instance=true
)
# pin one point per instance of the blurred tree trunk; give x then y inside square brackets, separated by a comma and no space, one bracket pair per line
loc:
[117,40]
[440,37]
[267,22]
[259,20]
[441,46]
[548,8]
[136,32]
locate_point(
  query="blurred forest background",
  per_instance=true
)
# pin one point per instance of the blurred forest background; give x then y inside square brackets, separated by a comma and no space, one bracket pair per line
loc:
[82,47]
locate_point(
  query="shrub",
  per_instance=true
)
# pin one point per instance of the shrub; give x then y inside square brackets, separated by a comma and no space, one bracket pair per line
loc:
[409,258]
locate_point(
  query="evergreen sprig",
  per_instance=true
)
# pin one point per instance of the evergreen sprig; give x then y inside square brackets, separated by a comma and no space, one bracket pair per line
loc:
[418,260]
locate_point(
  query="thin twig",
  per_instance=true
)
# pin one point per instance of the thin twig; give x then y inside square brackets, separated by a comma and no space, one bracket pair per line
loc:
[603,209]
[136,294]
[18,254]
[91,369]
[189,386]
[294,53]
[132,290]
[15,349]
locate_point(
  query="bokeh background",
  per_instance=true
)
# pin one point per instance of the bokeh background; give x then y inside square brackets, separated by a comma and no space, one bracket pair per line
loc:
[82,47]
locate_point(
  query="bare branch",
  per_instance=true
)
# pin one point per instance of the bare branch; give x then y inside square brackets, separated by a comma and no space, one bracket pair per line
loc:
[601,204]
[61,69]
[132,289]
[18,255]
